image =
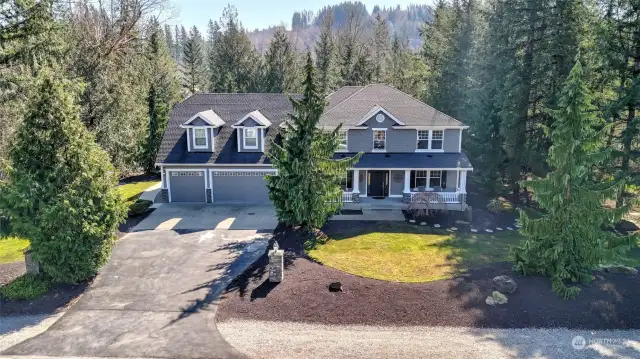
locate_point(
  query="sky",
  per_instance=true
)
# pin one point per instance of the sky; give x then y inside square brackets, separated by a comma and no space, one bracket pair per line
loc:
[256,13]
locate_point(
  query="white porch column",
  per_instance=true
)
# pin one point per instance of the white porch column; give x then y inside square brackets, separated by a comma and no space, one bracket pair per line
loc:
[162,184]
[407,181]
[463,182]
[356,181]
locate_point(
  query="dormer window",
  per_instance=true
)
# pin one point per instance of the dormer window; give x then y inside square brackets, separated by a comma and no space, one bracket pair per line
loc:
[200,138]
[250,138]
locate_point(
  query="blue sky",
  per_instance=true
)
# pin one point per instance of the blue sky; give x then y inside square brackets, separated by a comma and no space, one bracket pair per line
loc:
[257,13]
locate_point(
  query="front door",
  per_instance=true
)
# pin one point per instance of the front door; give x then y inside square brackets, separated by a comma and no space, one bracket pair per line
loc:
[378,184]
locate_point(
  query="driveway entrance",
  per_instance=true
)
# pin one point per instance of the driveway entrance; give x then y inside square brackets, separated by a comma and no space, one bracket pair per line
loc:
[157,295]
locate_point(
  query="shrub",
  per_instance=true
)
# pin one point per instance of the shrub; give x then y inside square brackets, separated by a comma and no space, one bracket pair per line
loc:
[499,205]
[139,207]
[26,287]
[61,192]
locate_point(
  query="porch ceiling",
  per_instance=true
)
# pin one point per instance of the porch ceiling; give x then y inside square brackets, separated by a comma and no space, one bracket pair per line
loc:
[410,160]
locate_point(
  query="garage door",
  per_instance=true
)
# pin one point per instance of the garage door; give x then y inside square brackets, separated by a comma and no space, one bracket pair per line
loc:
[240,187]
[187,186]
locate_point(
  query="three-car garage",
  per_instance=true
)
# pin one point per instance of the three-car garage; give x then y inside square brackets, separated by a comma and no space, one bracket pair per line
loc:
[247,186]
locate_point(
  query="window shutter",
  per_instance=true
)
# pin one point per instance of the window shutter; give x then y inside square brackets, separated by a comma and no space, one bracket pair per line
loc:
[413,179]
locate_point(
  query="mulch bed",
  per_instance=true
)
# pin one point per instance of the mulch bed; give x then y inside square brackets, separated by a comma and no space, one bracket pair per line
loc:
[11,271]
[138,178]
[612,301]
[131,222]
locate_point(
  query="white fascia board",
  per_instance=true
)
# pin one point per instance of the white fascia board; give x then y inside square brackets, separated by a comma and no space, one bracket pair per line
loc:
[256,116]
[431,128]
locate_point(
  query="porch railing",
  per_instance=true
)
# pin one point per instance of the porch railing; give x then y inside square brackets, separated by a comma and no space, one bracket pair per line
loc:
[445,197]
[347,197]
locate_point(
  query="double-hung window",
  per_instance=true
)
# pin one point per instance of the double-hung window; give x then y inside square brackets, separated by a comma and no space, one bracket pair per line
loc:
[379,140]
[435,179]
[200,138]
[429,140]
[419,179]
[250,138]
[342,140]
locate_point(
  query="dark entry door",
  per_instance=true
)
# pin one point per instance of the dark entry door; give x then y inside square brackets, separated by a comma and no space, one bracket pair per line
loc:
[378,184]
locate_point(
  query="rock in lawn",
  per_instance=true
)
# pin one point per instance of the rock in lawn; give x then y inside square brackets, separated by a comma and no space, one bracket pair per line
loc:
[490,301]
[335,287]
[504,283]
[498,228]
[499,298]
[423,223]
[412,221]
[474,230]
[436,225]
[454,228]
[489,230]
[509,228]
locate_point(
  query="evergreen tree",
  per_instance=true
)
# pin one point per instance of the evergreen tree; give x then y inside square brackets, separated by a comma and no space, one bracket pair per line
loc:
[306,189]
[235,58]
[193,59]
[571,237]
[381,46]
[61,192]
[325,55]
[406,70]
[168,38]
[280,64]
[163,93]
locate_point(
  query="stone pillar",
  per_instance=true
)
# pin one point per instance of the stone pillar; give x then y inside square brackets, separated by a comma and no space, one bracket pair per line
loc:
[406,198]
[356,181]
[164,193]
[33,267]
[209,198]
[355,197]
[276,264]
[463,182]
[407,181]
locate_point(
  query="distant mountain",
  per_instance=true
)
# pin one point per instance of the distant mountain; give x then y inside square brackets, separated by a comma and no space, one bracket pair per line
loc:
[305,25]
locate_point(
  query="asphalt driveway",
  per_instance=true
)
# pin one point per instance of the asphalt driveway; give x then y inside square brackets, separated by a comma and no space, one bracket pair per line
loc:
[157,295]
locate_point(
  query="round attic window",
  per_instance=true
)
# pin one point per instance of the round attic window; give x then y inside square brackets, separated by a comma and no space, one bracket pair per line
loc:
[380,117]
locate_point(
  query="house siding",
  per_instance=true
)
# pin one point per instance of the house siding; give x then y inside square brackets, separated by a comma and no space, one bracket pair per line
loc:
[452,185]
[451,140]
[396,183]
[397,140]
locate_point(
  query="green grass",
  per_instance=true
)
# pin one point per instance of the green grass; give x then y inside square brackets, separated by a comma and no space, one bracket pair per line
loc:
[407,253]
[26,287]
[131,191]
[12,249]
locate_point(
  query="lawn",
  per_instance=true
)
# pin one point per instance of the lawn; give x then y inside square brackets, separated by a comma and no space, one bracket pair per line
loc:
[408,253]
[131,191]
[12,249]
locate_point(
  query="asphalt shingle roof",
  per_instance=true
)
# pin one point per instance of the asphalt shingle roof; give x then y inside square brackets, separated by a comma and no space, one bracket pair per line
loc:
[231,108]
[410,160]
[349,106]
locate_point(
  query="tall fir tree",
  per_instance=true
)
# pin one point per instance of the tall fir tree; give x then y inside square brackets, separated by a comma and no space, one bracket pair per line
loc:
[306,190]
[61,192]
[163,94]
[380,48]
[571,237]
[193,62]
[325,55]
[280,73]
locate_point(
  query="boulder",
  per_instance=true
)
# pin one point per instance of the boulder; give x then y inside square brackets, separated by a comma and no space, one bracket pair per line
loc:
[499,298]
[505,284]
[490,301]
[335,287]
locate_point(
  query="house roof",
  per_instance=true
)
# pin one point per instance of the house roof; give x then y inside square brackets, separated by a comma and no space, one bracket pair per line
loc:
[208,116]
[410,160]
[230,108]
[256,116]
[349,105]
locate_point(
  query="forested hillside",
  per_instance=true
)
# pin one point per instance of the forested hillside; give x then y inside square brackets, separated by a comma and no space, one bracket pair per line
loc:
[497,65]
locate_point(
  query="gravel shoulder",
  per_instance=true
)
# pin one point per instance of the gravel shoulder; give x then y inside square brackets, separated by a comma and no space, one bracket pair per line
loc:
[260,339]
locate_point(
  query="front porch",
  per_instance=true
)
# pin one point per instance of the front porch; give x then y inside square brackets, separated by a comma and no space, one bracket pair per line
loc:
[392,188]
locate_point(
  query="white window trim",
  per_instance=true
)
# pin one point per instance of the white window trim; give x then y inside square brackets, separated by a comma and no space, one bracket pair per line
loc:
[430,141]
[206,139]
[244,138]
[430,177]
[373,140]
[346,137]
[415,177]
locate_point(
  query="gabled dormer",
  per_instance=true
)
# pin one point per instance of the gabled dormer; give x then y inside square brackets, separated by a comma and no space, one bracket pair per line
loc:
[202,130]
[251,131]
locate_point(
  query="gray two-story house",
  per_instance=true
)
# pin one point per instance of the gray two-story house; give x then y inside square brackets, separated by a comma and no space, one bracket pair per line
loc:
[215,147]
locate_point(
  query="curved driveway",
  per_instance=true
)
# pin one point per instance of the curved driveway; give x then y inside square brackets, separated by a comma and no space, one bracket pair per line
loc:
[157,295]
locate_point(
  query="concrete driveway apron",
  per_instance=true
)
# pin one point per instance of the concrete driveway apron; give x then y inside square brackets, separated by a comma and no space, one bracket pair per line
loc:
[157,295]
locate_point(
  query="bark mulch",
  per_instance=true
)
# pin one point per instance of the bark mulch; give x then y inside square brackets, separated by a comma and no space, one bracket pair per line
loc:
[611,301]
[11,271]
